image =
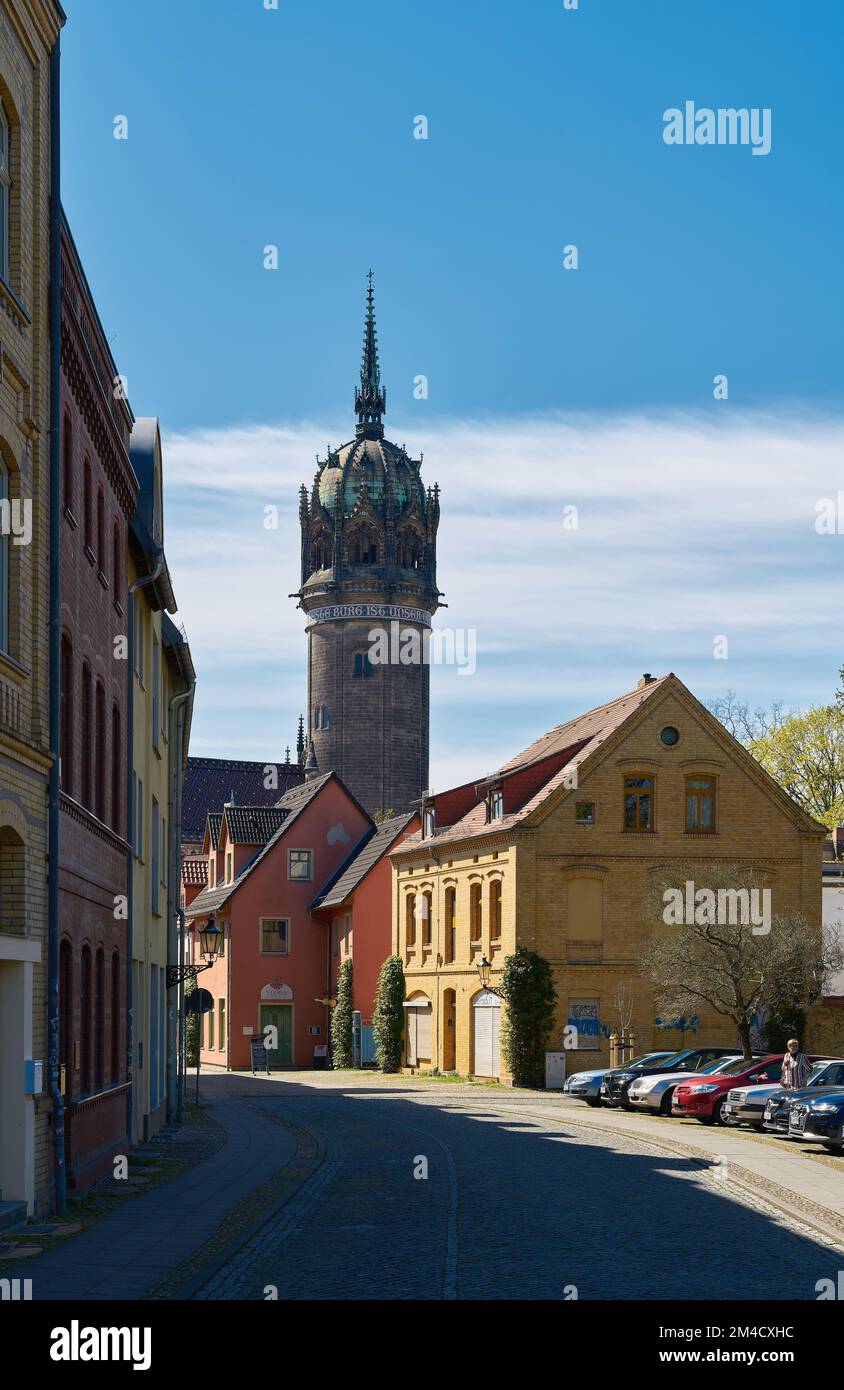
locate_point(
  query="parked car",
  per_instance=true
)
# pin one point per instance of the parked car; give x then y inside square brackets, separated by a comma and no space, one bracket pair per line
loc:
[616,1083]
[586,1085]
[827,1075]
[750,1106]
[705,1100]
[819,1119]
[656,1091]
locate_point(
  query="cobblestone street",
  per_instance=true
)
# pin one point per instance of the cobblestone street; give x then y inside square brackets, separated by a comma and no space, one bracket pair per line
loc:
[521,1200]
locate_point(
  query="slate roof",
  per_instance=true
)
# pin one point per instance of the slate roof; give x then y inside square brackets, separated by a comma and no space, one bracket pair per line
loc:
[252,825]
[194,870]
[293,802]
[215,825]
[365,855]
[570,744]
[209,783]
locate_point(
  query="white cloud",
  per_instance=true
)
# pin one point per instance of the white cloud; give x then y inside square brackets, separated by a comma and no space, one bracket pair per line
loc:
[688,527]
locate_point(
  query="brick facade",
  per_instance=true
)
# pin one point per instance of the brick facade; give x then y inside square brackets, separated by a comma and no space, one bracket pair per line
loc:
[28,30]
[99,491]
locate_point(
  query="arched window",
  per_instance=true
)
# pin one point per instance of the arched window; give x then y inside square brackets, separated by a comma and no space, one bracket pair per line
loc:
[101,540]
[5,192]
[116,769]
[321,552]
[115,1019]
[88,519]
[364,548]
[12,883]
[87,717]
[409,550]
[117,563]
[66,1005]
[67,464]
[5,511]
[85,1020]
[100,755]
[99,1021]
[66,742]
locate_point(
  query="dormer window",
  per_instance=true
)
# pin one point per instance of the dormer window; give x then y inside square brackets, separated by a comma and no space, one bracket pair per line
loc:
[495,804]
[429,821]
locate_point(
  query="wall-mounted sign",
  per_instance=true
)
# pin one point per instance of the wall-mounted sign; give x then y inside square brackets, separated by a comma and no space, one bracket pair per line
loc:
[276,991]
[248,1032]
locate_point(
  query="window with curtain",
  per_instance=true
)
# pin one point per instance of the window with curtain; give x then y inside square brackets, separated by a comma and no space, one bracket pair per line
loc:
[700,805]
[638,803]
[410,919]
[428,899]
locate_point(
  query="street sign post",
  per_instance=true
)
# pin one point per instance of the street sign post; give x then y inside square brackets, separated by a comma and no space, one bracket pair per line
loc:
[199,1001]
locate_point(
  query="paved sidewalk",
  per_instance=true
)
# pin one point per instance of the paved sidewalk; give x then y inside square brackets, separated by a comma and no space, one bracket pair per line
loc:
[133,1249]
[774,1169]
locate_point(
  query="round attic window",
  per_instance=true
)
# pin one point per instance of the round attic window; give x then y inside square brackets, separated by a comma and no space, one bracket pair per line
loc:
[669,736]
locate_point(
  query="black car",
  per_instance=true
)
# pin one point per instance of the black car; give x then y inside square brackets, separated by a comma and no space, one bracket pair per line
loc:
[616,1083]
[819,1119]
[826,1075]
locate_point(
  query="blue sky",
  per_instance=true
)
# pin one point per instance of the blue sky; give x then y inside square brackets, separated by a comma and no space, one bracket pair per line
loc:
[293,127]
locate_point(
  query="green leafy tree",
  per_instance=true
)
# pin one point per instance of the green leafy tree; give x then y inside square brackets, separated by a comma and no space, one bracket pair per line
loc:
[527,987]
[805,754]
[341,1018]
[388,1018]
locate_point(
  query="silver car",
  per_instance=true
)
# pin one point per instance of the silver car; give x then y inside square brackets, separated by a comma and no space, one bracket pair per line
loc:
[586,1085]
[656,1092]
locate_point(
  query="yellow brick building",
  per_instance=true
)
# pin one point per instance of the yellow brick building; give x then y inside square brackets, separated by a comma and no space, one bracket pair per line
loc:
[29,31]
[556,853]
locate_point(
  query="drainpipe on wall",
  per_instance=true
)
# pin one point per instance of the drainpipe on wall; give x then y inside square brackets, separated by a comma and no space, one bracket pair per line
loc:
[175,720]
[130,836]
[53,925]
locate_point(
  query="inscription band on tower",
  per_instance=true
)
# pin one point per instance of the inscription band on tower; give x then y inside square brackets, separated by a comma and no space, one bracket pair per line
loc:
[387,611]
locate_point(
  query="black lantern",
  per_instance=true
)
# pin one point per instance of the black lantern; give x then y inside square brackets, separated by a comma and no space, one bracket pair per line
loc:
[484,969]
[210,940]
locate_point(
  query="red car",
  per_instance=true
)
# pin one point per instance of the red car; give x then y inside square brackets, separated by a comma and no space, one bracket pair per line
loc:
[704,1096]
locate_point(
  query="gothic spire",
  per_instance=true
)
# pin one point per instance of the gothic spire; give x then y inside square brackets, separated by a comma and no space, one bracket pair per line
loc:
[370,397]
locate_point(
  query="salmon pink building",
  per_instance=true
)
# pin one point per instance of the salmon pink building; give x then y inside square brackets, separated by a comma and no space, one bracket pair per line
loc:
[267,867]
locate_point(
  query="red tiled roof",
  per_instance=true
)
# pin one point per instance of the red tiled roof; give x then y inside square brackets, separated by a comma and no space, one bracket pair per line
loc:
[194,870]
[526,782]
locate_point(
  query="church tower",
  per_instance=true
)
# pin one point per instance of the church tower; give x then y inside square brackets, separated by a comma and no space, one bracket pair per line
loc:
[369,590]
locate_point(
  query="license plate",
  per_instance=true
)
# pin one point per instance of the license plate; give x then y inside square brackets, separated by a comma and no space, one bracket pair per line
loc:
[797,1122]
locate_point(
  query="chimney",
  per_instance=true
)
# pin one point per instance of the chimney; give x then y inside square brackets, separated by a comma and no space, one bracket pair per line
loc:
[647,679]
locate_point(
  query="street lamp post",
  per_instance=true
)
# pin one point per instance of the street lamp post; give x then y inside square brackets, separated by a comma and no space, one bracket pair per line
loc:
[484,971]
[210,940]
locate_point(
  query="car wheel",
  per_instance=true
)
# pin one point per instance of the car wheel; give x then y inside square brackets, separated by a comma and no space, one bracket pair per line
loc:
[718,1117]
[666,1102]
[593,1100]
